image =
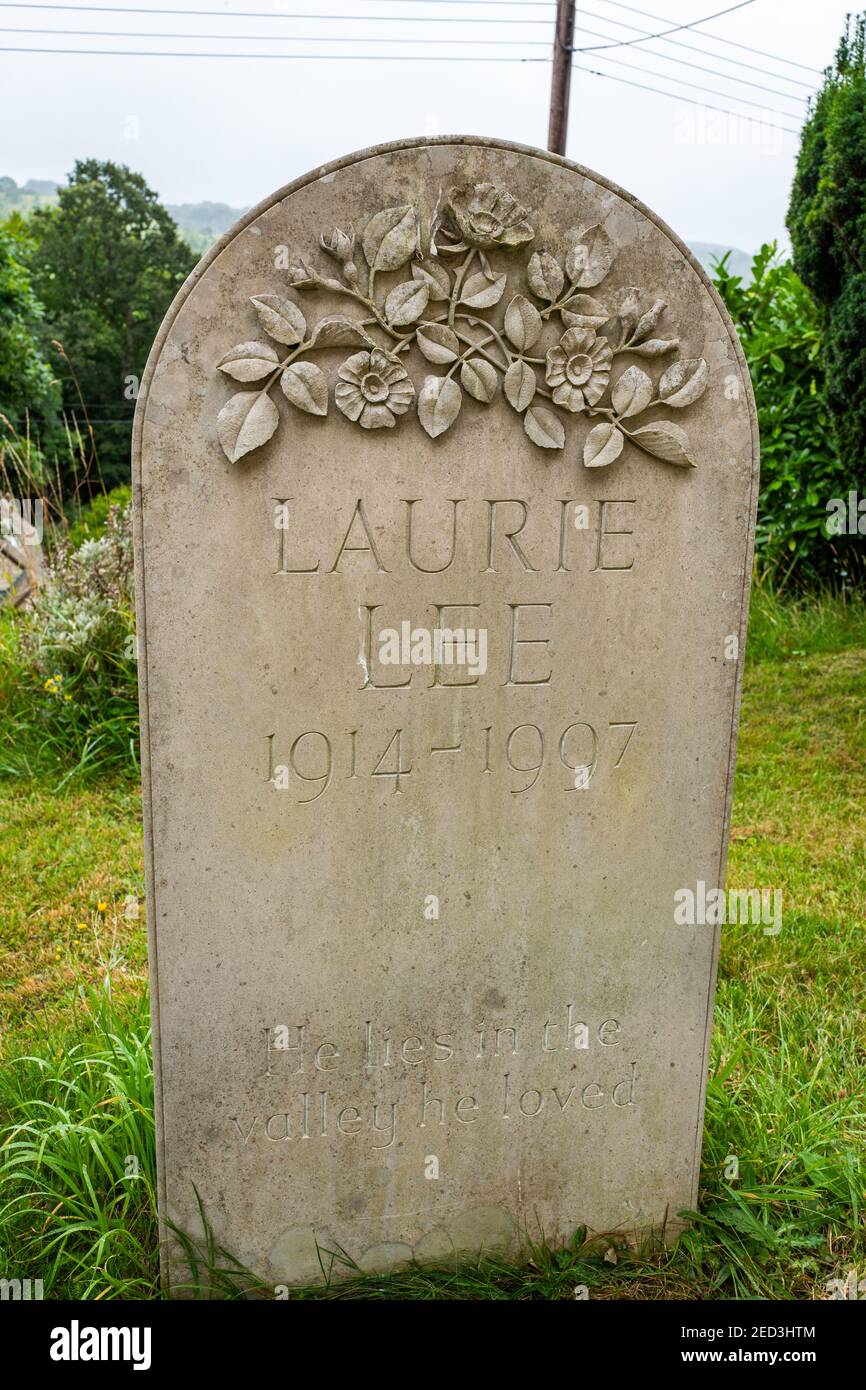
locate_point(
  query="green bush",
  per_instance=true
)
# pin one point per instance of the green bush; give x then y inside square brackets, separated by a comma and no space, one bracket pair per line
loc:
[801,470]
[68,682]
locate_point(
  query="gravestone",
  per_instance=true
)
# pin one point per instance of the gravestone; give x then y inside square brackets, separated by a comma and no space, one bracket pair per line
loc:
[445,478]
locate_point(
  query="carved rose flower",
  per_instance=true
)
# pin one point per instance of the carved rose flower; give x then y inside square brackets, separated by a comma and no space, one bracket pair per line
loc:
[486,216]
[578,369]
[373,389]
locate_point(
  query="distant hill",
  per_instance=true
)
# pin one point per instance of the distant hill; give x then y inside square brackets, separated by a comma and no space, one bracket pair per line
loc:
[708,252]
[201,224]
[28,196]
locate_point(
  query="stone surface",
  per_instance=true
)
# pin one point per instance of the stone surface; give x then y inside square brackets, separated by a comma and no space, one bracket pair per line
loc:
[418,988]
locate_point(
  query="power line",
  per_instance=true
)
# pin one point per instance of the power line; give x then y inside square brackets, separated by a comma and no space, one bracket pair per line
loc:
[689,101]
[625,43]
[299,57]
[717,38]
[693,48]
[264,38]
[272,15]
[700,67]
[428,58]
[698,86]
[109,33]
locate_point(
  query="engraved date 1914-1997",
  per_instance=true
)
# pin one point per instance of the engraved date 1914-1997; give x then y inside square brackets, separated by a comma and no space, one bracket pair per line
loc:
[315,760]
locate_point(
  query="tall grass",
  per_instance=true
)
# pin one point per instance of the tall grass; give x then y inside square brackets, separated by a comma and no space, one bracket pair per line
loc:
[823,620]
[44,734]
[77,1156]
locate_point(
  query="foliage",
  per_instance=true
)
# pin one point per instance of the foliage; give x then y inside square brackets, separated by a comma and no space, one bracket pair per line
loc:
[107,262]
[29,393]
[68,662]
[93,519]
[801,471]
[827,222]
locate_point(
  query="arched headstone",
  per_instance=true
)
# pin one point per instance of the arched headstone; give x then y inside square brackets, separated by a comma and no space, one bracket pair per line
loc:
[445,478]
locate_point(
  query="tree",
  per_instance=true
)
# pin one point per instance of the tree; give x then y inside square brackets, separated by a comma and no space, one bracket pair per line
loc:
[107,264]
[827,222]
[779,327]
[29,393]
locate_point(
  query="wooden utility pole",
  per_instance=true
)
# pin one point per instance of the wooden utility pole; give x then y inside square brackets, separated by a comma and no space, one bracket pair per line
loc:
[560,83]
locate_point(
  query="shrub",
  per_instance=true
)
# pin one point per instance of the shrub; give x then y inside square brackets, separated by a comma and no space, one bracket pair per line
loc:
[92,520]
[801,470]
[68,661]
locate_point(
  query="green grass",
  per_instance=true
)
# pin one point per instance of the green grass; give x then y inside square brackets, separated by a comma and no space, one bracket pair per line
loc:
[785,1095]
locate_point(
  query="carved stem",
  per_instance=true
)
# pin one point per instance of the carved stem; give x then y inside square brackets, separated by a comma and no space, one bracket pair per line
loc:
[459,277]
[302,347]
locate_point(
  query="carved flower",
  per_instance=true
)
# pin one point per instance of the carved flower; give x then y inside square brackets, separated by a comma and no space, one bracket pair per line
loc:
[373,389]
[579,368]
[486,216]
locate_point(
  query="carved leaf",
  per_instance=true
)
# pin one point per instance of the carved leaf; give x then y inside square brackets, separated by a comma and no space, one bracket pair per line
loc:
[245,422]
[590,258]
[545,276]
[438,342]
[281,318]
[544,428]
[684,381]
[632,393]
[667,441]
[584,312]
[305,385]
[481,293]
[340,332]
[603,445]
[522,323]
[655,347]
[519,385]
[439,402]
[249,361]
[406,303]
[434,275]
[390,238]
[647,322]
[479,379]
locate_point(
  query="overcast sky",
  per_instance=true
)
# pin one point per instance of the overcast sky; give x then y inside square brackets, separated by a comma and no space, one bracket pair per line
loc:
[233,129]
